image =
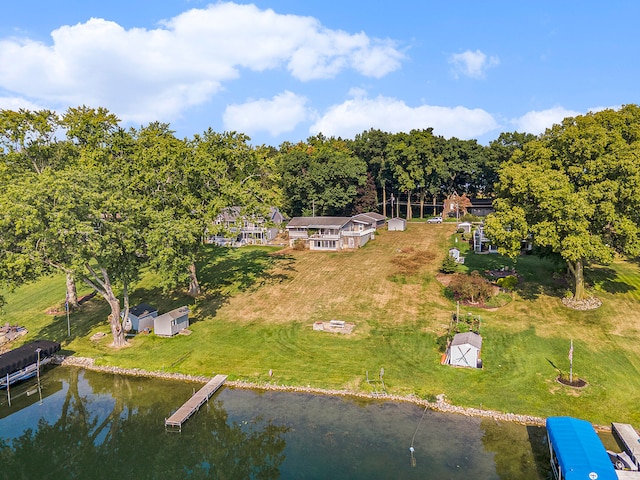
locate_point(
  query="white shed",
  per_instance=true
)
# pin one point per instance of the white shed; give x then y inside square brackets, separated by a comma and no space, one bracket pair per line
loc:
[464,350]
[170,323]
[397,224]
[466,226]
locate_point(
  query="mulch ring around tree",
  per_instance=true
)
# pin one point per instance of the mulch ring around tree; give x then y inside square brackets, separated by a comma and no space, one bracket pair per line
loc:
[590,303]
[576,383]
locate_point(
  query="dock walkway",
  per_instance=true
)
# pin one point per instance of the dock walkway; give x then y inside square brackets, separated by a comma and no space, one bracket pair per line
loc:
[630,441]
[194,403]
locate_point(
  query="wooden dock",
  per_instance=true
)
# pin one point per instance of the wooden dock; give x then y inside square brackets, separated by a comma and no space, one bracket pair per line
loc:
[192,405]
[630,441]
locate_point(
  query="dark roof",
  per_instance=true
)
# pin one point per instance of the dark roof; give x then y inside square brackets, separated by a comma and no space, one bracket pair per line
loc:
[481,202]
[275,215]
[470,338]
[23,356]
[319,222]
[142,309]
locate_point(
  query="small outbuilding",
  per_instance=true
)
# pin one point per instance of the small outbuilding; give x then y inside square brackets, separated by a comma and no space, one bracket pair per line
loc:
[140,318]
[464,350]
[397,224]
[465,226]
[170,323]
[455,253]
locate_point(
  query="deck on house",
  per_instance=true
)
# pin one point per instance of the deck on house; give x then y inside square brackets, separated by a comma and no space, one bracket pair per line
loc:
[194,403]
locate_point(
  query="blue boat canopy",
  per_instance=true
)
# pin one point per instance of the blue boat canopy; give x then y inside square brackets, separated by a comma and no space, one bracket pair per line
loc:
[578,450]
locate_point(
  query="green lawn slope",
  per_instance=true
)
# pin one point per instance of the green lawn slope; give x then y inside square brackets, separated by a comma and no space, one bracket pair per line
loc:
[259,305]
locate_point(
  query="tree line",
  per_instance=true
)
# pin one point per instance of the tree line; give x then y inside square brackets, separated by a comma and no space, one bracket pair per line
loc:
[84,196]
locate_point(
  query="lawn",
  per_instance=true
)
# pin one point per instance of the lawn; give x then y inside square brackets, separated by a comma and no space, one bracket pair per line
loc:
[259,305]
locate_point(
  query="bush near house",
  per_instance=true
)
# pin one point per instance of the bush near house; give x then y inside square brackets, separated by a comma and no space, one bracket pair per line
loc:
[507,283]
[449,265]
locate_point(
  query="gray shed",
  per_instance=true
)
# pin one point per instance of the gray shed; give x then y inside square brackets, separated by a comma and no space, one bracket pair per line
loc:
[397,224]
[140,318]
[464,350]
[170,323]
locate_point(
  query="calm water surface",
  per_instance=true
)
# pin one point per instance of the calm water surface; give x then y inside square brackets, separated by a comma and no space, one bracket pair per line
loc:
[89,425]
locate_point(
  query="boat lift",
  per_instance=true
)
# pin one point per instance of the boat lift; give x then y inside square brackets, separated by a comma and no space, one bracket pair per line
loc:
[576,451]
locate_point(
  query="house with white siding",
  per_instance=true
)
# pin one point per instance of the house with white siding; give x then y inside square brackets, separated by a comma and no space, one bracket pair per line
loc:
[333,233]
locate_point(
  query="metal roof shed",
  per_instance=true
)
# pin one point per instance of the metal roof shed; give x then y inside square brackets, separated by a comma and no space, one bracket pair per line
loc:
[464,350]
[576,451]
[397,224]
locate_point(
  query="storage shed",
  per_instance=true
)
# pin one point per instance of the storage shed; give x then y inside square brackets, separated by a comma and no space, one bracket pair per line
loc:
[170,323]
[397,224]
[465,226]
[140,318]
[464,350]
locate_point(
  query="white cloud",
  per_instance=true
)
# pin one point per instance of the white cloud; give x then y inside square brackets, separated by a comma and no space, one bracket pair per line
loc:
[472,64]
[278,115]
[536,122]
[392,115]
[16,103]
[153,74]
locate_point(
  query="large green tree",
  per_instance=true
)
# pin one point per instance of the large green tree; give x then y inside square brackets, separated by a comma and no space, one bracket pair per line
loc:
[30,147]
[320,176]
[499,151]
[574,192]
[371,146]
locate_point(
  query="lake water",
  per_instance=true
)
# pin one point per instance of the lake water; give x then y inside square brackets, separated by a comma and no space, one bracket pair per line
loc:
[89,425]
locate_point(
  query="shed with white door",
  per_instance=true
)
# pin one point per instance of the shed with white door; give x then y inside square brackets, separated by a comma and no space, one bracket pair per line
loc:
[464,350]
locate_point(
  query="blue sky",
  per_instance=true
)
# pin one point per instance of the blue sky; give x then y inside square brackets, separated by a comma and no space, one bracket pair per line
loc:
[284,70]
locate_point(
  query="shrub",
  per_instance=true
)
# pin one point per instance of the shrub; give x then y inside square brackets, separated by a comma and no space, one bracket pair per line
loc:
[442,343]
[449,265]
[298,245]
[508,283]
[471,288]
[469,218]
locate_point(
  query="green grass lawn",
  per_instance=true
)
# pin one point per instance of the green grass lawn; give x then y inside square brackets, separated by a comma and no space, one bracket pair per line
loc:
[259,305]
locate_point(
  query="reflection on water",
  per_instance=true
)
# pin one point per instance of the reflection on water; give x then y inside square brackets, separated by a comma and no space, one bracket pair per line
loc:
[92,425]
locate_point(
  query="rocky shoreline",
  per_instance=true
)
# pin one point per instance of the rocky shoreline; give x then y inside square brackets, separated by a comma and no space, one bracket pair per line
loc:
[440,405]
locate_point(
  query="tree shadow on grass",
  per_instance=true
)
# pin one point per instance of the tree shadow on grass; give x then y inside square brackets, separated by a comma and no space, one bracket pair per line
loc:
[535,274]
[606,279]
[222,273]
[80,323]
[227,271]
[162,300]
[242,270]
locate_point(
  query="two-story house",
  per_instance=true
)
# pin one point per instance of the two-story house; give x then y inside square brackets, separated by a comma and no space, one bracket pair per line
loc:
[334,233]
[237,229]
